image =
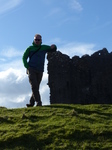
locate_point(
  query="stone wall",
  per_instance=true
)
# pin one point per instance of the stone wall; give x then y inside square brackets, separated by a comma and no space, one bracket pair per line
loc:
[84,80]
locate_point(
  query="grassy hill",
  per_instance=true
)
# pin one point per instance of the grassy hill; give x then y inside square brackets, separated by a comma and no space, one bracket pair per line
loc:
[56,127]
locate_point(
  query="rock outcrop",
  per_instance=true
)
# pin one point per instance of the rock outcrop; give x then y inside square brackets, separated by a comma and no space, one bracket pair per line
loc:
[85,80]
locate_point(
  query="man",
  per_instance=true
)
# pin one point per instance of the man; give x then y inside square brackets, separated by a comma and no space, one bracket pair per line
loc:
[35,66]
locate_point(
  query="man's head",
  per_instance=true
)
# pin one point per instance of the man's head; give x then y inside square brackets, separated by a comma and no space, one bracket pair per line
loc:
[37,39]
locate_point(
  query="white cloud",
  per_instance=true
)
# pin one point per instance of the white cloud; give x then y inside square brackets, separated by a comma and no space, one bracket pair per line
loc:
[63,11]
[67,20]
[74,4]
[15,89]
[6,5]
[54,12]
[10,58]
[10,52]
[79,49]
[13,86]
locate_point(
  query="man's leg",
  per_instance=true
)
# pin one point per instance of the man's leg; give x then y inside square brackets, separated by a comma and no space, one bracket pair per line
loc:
[32,76]
[35,79]
[37,93]
[38,99]
[32,101]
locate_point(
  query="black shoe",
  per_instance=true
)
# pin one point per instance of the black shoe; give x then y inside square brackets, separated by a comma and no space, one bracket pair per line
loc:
[29,105]
[39,104]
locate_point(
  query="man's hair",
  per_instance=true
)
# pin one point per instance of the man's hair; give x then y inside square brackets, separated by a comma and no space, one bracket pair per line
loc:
[37,35]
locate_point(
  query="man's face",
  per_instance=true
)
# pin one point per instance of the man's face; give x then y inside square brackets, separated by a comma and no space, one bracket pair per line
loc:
[37,40]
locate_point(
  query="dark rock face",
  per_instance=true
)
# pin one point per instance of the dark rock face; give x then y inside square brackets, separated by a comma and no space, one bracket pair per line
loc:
[85,80]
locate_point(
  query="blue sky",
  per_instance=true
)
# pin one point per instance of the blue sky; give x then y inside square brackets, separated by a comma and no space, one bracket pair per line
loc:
[77,27]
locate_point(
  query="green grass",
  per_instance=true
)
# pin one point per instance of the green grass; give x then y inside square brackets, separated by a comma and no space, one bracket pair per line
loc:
[56,127]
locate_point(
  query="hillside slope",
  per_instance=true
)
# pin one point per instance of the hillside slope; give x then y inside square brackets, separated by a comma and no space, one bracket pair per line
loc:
[56,127]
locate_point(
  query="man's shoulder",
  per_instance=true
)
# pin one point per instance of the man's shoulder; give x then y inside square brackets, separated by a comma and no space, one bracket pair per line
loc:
[31,48]
[44,47]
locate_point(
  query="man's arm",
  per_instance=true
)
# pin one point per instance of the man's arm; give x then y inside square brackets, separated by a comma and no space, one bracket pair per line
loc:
[25,57]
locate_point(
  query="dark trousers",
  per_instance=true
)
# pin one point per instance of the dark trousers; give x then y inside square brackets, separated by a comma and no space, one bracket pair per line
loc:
[35,78]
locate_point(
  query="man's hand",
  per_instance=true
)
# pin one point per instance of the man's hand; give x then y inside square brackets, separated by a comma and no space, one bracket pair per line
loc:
[53,46]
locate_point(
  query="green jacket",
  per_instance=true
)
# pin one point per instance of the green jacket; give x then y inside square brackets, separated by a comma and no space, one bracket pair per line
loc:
[36,60]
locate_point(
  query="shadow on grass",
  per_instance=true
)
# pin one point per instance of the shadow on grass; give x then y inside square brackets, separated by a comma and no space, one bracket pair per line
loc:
[83,110]
[5,120]
[85,136]
[64,106]
[24,142]
[31,142]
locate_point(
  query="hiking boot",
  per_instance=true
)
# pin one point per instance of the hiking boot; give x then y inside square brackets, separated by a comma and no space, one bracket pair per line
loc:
[29,105]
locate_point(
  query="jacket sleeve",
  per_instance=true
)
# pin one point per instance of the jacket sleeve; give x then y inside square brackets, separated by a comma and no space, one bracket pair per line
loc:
[52,50]
[25,57]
